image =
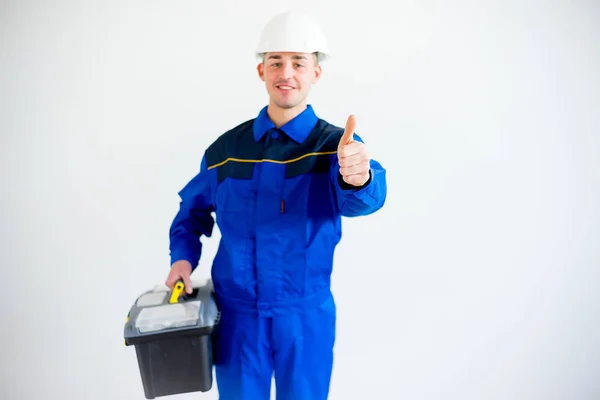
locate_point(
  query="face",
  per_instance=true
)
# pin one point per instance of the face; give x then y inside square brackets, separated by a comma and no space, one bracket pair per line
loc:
[289,77]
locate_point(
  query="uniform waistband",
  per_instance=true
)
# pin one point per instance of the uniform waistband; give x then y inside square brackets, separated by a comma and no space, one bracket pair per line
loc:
[229,303]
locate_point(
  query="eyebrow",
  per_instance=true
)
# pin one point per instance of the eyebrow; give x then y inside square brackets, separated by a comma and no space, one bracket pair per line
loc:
[276,57]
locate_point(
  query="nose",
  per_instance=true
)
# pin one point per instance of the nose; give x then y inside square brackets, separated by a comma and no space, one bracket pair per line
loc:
[287,71]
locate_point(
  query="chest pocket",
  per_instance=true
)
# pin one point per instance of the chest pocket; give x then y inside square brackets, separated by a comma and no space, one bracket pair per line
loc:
[236,206]
[307,190]
[235,195]
[234,187]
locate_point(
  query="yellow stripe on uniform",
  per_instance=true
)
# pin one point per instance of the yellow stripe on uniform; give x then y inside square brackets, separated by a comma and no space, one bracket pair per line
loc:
[272,161]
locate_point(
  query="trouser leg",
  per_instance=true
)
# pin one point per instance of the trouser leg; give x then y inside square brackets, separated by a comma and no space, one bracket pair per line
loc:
[242,357]
[303,352]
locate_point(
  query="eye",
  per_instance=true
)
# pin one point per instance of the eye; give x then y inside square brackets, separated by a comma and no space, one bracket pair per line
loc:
[275,65]
[299,65]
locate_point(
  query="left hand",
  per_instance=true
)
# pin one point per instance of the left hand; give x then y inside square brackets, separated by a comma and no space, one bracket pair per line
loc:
[353,157]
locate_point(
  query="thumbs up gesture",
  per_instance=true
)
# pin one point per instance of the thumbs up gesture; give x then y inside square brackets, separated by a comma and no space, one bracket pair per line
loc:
[353,157]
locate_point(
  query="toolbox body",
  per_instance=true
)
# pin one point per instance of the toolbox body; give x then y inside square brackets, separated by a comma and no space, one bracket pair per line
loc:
[172,338]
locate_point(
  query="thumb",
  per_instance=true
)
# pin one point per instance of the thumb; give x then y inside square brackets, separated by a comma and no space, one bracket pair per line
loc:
[187,281]
[348,135]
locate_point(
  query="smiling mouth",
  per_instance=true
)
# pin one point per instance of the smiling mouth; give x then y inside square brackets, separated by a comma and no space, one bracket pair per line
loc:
[285,87]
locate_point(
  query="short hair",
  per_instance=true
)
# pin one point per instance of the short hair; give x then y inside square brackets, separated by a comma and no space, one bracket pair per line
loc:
[318,57]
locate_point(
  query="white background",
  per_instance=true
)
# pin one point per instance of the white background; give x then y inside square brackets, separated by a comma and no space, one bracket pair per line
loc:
[478,280]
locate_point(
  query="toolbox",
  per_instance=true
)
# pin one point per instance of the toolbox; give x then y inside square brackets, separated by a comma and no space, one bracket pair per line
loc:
[171,332]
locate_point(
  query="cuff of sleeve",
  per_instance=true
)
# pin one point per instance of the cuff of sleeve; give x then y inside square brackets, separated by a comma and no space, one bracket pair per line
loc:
[348,187]
[365,193]
[178,257]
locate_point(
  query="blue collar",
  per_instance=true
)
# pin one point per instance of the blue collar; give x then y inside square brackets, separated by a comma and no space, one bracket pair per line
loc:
[298,128]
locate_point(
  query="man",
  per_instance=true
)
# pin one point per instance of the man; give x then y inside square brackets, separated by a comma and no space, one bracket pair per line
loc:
[278,185]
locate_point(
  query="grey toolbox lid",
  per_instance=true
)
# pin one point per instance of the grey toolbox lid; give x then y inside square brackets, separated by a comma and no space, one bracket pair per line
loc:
[160,313]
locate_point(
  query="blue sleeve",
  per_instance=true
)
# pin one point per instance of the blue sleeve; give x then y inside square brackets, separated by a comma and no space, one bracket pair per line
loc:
[194,218]
[358,201]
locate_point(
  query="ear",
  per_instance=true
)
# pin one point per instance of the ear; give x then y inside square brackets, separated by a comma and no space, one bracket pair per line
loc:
[318,72]
[260,68]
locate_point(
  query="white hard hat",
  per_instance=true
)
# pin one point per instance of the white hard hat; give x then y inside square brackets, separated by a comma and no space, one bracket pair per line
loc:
[293,32]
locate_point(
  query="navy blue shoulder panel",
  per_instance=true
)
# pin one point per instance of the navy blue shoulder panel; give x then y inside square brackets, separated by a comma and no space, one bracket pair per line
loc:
[314,155]
[235,153]
[234,145]
[323,138]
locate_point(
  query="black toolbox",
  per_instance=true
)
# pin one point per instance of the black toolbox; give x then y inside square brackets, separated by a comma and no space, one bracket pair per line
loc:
[172,338]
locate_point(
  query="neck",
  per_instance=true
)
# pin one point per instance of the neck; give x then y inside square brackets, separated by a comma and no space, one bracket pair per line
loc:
[281,116]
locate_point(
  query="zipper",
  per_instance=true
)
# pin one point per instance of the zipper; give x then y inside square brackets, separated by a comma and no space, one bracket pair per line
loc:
[282,206]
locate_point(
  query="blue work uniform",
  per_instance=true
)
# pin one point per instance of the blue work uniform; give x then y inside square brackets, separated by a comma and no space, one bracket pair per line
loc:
[278,199]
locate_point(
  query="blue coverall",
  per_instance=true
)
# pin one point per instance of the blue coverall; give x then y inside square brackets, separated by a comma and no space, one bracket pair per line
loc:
[278,199]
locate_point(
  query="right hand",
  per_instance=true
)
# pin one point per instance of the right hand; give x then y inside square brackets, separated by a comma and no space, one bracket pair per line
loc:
[180,270]
[353,157]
